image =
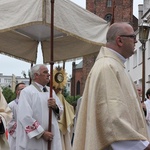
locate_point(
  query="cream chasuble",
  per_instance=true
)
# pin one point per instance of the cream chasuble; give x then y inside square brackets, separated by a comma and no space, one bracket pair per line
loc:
[109,110]
[66,123]
[6,115]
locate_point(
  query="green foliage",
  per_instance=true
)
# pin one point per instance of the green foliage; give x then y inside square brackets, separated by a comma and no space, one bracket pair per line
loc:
[65,93]
[8,94]
[72,99]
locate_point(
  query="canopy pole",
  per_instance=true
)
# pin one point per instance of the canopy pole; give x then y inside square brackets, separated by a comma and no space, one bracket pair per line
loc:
[51,67]
[113,13]
[30,76]
[64,64]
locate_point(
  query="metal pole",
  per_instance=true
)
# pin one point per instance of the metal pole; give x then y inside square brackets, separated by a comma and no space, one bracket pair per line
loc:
[143,72]
[74,81]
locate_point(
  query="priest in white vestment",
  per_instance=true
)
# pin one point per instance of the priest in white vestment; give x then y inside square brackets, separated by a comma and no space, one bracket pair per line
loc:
[5,117]
[139,90]
[33,114]
[76,117]
[12,125]
[146,107]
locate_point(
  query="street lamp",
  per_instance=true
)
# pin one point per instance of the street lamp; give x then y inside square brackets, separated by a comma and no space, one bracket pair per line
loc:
[143,37]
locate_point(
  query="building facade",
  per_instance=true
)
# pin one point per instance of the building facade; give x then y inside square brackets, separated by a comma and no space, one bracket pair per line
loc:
[111,11]
[11,81]
[77,79]
[134,63]
[118,10]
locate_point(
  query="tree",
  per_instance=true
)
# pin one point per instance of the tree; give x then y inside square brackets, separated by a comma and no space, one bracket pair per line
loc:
[72,100]
[8,94]
[65,92]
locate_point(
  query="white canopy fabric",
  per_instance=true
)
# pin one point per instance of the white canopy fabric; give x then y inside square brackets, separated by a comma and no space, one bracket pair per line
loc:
[23,24]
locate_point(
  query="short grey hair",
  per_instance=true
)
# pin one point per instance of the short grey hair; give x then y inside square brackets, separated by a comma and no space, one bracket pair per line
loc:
[35,69]
[115,30]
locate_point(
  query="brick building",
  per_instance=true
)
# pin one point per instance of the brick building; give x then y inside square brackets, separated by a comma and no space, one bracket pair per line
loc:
[121,9]
[111,11]
[77,79]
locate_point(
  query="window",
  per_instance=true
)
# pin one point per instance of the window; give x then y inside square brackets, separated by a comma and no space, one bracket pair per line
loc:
[148,79]
[140,55]
[68,85]
[109,3]
[135,59]
[78,88]
[148,51]
[7,80]
[108,17]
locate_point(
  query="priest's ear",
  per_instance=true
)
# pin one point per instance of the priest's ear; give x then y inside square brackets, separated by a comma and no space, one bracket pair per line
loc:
[119,41]
[36,75]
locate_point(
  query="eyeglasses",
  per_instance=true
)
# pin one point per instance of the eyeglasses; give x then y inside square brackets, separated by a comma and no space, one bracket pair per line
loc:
[133,36]
[20,89]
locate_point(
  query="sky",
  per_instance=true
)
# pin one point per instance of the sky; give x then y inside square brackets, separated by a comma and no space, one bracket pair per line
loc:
[9,66]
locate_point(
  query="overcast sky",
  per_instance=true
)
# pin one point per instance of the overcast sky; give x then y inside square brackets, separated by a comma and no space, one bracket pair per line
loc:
[9,66]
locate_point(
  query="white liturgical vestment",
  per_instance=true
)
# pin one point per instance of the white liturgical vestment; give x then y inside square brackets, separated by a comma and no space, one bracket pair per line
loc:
[33,119]
[12,125]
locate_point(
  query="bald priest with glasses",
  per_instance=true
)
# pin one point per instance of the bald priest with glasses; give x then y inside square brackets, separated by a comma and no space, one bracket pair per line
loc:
[110,115]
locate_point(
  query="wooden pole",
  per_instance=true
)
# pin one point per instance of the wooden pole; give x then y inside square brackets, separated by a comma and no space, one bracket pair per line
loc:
[113,12]
[51,66]
[29,76]
[64,64]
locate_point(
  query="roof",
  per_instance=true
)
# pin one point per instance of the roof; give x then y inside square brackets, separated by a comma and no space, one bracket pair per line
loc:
[79,65]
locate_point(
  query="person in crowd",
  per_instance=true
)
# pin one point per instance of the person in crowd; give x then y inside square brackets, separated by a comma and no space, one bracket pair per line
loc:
[12,125]
[76,117]
[146,107]
[5,117]
[139,90]
[66,121]
[78,107]
[33,114]
[110,115]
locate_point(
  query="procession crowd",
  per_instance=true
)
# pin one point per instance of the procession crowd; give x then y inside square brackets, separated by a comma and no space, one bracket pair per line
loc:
[109,116]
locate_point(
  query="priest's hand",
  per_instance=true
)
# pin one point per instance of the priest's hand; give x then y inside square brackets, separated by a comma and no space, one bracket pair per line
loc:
[143,106]
[52,103]
[47,136]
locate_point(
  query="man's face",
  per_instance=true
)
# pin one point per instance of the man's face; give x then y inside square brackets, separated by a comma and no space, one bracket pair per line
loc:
[43,77]
[20,87]
[129,41]
[139,90]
